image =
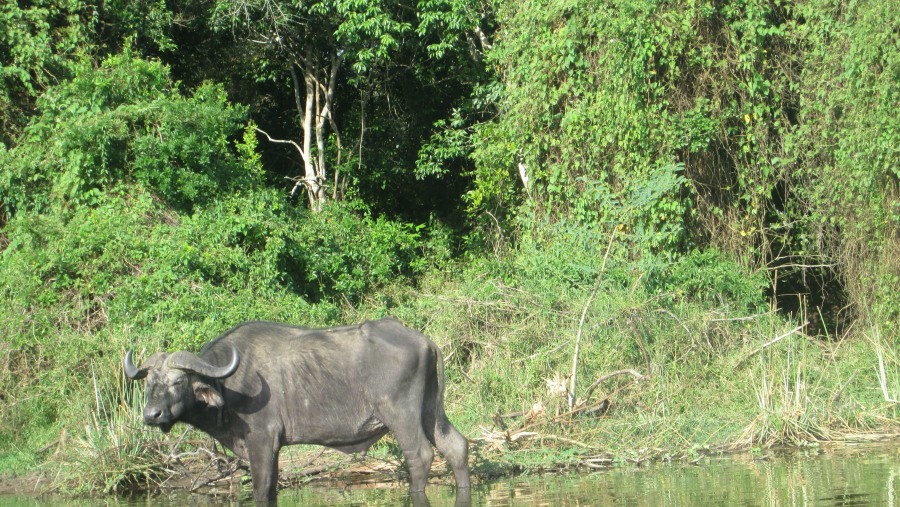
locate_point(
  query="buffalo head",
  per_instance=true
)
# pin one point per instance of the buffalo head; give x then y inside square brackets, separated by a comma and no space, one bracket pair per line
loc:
[177,383]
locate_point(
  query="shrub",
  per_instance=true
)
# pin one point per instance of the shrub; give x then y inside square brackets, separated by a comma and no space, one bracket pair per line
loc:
[125,122]
[712,278]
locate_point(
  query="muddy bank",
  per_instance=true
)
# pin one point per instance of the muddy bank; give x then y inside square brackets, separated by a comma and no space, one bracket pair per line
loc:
[215,474]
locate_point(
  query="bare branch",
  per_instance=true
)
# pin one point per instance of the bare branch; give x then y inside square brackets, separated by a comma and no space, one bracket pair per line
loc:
[583,315]
[283,141]
[882,379]
[770,343]
[307,183]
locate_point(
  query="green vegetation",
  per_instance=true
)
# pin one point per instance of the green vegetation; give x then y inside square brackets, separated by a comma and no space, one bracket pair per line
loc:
[637,230]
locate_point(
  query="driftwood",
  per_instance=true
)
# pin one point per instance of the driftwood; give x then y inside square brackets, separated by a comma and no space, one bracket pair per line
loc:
[508,433]
[223,472]
[501,437]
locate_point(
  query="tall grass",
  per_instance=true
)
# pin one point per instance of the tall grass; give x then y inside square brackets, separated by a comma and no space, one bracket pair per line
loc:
[115,452]
[713,370]
[789,403]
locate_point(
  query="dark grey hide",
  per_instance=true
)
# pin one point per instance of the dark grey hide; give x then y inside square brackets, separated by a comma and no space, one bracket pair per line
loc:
[261,386]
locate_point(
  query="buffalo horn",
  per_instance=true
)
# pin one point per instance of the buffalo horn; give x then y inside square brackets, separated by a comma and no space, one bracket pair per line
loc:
[132,371]
[190,362]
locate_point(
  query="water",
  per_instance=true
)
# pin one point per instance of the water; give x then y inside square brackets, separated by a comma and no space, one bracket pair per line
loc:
[843,476]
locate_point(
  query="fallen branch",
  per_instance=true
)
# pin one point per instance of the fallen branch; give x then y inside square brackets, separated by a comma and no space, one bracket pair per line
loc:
[496,438]
[590,390]
[584,408]
[768,344]
[171,456]
[316,470]
[214,459]
[59,443]
[511,415]
[598,462]
[563,439]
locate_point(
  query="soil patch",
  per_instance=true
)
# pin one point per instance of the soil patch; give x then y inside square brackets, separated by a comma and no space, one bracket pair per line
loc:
[33,484]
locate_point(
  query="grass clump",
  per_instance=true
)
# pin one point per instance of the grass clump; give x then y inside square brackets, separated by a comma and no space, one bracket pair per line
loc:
[114,453]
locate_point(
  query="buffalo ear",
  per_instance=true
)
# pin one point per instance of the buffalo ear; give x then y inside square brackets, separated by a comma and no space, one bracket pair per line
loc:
[206,394]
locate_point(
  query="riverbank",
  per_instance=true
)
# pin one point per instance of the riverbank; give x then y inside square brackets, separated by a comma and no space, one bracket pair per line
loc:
[656,378]
[656,384]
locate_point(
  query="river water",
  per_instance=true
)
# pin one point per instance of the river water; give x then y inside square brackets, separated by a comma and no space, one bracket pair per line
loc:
[862,475]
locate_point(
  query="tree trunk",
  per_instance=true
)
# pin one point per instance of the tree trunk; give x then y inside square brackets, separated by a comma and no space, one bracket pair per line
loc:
[327,116]
[321,119]
[314,106]
[313,180]
[305,110]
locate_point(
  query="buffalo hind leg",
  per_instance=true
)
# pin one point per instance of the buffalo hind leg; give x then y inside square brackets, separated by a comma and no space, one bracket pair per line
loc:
[418,452]
[455,448]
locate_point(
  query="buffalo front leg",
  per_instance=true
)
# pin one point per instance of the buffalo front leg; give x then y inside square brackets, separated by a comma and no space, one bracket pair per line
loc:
[264,470]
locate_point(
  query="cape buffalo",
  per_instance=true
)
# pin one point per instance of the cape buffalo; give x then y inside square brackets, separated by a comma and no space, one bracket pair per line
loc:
[262,385]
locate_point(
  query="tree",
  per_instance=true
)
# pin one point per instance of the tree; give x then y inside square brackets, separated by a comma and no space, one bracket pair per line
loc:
[314,41]
[124,123]
[337,53]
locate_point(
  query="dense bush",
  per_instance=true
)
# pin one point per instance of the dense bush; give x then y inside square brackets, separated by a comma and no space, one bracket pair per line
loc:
[710,278]
[42,42]
[122,123]
[845,148]
[778,115]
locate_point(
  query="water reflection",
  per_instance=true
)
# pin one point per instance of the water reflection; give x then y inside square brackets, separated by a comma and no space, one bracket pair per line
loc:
[845,476]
